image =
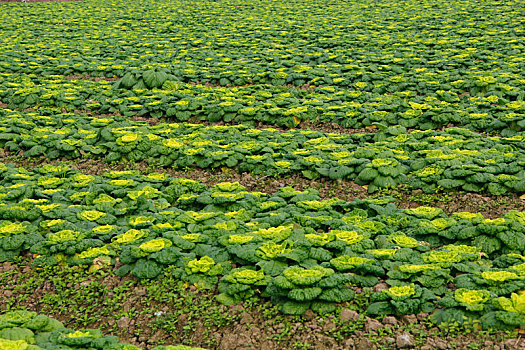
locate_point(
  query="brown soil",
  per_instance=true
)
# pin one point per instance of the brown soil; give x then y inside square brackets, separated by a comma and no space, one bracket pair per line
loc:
[304,125]
[150,120]
[488,205]
[249,327]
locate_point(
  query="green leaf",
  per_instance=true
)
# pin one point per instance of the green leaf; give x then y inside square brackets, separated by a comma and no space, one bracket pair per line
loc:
[272,267]
[337,295]
[226,299]
[309,174]
[304,294]
[368,174]
[128,80]
[145,268]
[487,244]
[294,308]
[154,79]
[323,307]
[36,151]
[17,333]
[380,308]
[513,239]
[449,316]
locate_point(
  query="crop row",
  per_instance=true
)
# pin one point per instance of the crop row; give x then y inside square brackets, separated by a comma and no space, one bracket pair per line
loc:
[454,158]
[498,109]
[422,44]
[26,330]
[298,250]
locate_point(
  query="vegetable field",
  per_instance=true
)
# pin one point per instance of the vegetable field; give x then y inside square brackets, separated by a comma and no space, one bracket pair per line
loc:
[305,174]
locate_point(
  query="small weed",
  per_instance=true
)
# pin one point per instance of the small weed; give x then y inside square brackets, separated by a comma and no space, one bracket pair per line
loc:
[426,198]
[301,346]
[361,300]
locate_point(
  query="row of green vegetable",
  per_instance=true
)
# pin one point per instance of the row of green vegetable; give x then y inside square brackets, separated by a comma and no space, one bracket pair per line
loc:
[499,109]
[425,45]
[290,246]
[450,159]
[27,330]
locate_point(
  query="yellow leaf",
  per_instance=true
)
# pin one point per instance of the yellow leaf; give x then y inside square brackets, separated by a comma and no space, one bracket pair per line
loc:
[522,196]
[225,169]
[297,120]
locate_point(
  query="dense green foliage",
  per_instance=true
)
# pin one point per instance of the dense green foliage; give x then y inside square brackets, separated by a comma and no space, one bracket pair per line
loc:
[304,42]
[270,104]
[290,246]
[454,158]
[418,64]
[441,82]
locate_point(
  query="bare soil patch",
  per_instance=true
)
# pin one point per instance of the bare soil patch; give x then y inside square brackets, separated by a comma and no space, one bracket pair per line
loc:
[87,76]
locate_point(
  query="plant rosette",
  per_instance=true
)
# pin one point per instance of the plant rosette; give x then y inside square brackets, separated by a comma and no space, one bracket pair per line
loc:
[474,300]
[402,300]
[511,316]
[240,284]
